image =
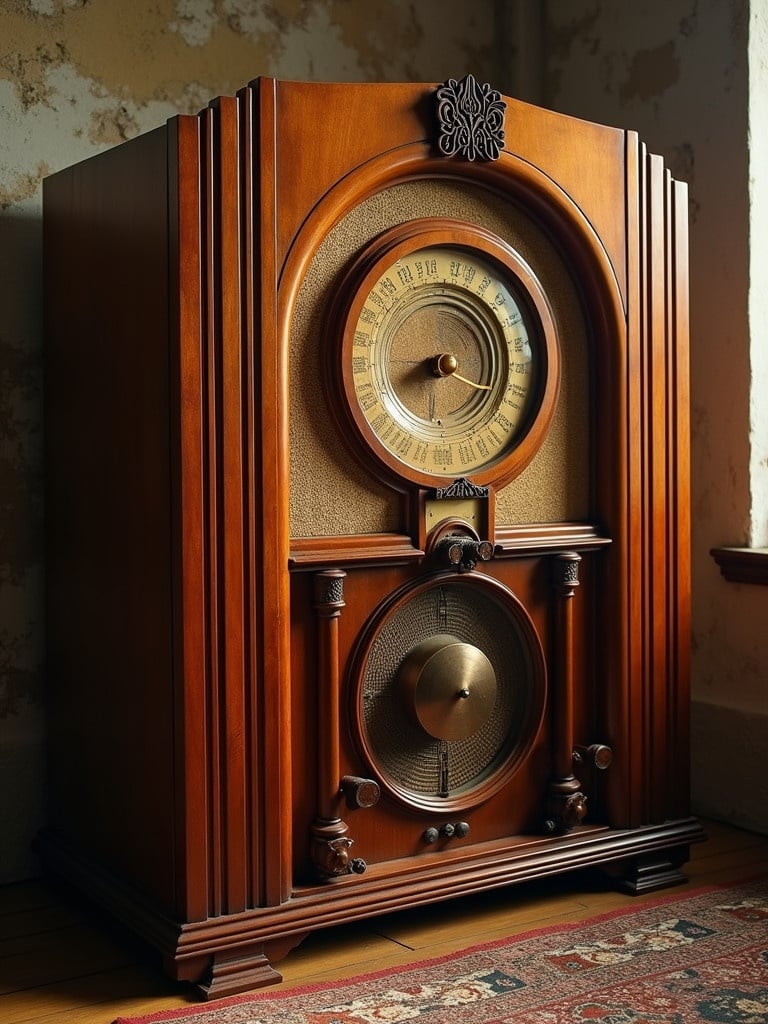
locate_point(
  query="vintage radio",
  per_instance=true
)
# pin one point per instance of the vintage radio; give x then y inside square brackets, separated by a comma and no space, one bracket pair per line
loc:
[368,513]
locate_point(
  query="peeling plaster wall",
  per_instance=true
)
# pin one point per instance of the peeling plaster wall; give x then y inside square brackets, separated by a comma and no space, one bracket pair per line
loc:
[76,77]
[677,72]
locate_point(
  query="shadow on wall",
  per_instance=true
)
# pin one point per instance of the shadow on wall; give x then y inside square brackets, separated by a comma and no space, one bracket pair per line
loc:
[21,454]
[21,540]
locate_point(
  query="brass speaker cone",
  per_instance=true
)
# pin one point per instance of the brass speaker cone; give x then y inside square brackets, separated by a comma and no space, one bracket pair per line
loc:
[450,685]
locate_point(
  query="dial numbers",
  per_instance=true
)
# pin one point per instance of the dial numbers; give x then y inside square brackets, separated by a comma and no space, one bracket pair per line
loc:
[442,361]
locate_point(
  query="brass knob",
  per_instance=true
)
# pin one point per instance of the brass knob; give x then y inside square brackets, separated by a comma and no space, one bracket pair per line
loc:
[445,364]
[450,686]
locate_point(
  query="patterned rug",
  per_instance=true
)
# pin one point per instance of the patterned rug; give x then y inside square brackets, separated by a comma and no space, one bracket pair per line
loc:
[702,956]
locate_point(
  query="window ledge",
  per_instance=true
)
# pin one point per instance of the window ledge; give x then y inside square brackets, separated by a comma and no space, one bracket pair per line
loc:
[743,565]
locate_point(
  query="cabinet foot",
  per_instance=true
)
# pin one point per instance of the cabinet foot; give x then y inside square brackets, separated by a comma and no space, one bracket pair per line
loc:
[646,874]
[242,970]
[229,977]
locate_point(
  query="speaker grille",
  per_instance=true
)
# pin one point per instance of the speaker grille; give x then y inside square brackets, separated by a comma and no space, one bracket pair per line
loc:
[413,762]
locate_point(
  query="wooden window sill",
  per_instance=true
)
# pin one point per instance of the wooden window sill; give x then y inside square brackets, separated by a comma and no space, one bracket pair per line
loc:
[743,565]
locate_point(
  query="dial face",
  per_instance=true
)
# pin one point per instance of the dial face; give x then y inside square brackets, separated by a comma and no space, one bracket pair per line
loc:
[446,354]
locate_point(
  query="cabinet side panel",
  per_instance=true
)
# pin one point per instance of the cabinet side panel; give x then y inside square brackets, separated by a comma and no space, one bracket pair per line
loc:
[108,510]
[679,426]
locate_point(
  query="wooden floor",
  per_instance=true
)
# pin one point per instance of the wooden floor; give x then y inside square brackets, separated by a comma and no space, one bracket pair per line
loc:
[62,963]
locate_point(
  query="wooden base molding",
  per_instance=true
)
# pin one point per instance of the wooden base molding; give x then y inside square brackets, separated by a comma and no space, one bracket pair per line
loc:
[235,953]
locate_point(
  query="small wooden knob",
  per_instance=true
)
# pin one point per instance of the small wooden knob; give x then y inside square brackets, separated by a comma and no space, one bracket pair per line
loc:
[360,792]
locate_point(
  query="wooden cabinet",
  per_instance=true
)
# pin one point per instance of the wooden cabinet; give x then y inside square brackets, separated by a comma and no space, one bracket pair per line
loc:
[254,732]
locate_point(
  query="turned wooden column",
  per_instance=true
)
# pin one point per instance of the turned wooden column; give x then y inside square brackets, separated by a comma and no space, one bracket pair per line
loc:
[566,804]
[329,601]
[329,842]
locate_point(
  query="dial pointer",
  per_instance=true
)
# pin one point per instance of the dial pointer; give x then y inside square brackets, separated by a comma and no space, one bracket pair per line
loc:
[479,387]
[446,365]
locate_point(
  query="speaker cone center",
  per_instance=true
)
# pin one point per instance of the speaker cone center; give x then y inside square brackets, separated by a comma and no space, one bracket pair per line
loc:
[450,686]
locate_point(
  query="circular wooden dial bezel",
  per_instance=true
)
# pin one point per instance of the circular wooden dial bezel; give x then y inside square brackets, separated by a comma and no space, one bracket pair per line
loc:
[369,267]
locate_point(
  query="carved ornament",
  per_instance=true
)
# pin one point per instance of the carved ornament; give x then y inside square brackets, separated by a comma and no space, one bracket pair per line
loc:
[470,116]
